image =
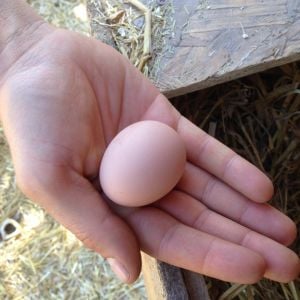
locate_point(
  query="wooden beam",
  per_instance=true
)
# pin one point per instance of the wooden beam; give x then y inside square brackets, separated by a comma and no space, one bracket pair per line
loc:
[166,282]
[215,41]
[220,40]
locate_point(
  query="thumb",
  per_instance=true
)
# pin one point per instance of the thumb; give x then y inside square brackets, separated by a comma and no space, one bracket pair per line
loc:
[73,201]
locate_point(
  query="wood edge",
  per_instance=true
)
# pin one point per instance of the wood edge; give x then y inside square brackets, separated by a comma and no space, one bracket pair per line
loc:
[162,281]
[212,81]
[167,282]
[195,285]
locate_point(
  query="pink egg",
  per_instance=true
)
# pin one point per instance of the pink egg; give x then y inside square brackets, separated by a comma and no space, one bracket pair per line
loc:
[142,163]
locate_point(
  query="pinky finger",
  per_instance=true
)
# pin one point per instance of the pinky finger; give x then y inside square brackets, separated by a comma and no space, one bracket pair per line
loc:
[164,238]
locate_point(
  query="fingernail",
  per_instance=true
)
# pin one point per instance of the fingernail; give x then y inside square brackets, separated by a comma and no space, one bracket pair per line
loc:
[119,269]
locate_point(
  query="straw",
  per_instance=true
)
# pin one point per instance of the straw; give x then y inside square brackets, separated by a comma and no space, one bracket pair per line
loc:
[258,117]
[140,30]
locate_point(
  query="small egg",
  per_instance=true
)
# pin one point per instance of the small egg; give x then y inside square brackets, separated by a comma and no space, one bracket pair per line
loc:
[142,163]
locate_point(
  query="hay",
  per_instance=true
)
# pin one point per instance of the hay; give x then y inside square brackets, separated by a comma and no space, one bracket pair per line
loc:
[140,32]
[259,117]
[46,261]
[69,14]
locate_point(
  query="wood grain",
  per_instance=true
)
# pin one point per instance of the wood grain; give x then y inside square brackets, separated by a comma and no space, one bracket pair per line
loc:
[220,40]
[166,282]
[216,41]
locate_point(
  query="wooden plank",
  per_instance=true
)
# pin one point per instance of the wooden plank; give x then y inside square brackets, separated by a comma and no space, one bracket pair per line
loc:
[226,39]
[162,281]
[166,282]
[216,41]
[195,285]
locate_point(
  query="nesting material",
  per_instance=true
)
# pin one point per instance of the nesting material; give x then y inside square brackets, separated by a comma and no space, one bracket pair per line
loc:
[258,117]
[69,14]
[140,30]
[43,260]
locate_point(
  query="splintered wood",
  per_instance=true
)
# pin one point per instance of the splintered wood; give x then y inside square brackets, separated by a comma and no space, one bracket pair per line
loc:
[206,42]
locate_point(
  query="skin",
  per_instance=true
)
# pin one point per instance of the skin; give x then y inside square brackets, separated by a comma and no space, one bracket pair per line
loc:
[63,97]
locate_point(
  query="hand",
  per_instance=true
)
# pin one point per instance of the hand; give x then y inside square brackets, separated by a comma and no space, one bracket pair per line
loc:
[64,99]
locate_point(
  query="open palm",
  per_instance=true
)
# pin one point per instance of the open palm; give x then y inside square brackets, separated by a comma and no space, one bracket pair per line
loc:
[63,101]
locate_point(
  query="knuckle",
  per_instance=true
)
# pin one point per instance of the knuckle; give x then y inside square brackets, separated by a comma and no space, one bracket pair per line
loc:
[166,240]
[88,241]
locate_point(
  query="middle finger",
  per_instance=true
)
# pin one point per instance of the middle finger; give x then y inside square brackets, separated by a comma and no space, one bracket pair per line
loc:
[282,263]
[224,200]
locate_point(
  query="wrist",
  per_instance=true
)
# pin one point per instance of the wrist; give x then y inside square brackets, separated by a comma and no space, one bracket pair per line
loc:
[20,29]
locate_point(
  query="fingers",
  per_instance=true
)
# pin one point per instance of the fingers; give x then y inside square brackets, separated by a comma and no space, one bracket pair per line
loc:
[209,154]
[226,201]
[282,264]
[212,156]
[73,202]
[165,238]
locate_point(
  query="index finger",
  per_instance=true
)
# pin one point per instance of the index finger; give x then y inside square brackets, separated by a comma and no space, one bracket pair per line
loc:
[211,155]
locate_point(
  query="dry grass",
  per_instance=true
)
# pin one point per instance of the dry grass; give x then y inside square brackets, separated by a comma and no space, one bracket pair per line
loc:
[69,14]
[131,31]
[259,117]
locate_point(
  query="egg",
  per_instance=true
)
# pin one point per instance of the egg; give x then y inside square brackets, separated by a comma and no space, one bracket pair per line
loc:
[142,163]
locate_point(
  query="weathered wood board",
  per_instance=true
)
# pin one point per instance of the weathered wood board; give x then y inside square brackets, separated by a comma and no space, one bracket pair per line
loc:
[226,39]
[166,282]
[216,41]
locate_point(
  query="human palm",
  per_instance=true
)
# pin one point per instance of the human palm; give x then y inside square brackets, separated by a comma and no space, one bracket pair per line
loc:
[62,102]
